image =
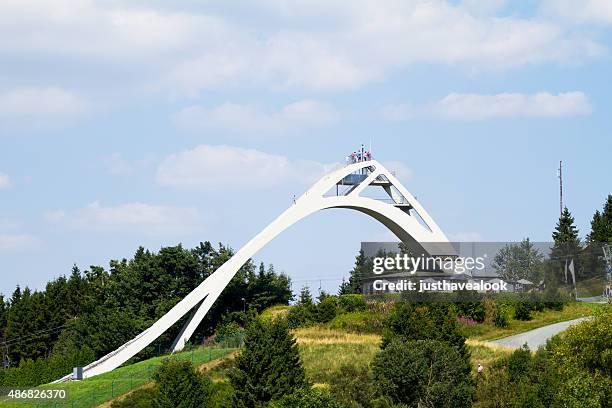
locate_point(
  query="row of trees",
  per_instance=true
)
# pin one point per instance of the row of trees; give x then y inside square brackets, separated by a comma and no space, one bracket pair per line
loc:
[525,261]
[101,309]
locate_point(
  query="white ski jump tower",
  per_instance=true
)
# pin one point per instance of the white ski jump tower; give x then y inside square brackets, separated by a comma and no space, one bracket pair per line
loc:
[401,213]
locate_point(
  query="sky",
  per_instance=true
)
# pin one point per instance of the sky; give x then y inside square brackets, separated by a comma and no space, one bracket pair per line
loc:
[156,123]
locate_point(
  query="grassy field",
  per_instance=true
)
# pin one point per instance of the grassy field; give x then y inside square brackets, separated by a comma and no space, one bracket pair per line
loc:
[324,351]
[102,388]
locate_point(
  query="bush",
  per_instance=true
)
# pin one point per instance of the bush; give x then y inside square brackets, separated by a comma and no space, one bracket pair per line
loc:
[354,385]
[178,385]
[307,398]
[300,315]
[325,310]
[229,330]
[409,321]
[359,322]
[472,310]
[522,311]
[425,373]
[587,345]
[352,303]
[500,315]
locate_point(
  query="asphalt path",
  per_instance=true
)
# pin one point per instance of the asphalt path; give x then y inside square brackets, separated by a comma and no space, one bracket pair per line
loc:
[536,337]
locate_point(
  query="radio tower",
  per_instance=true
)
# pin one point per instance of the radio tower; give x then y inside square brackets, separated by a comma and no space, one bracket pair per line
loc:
[560,187]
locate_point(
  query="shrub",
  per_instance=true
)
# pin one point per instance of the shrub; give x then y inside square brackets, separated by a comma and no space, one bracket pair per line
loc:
[229,330]
[425,373]
[410,321]
[307,398]
[587,345]
[472,310]
[500,315]
[352,303]
[522,311]
[359,322]
[354,385]
[325,310]
[178,385]
[300,315]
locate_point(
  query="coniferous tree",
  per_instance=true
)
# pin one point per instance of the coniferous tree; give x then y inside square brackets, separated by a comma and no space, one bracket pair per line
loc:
[353,285]
[269,366]
[566,248]
[566,231]
[305,297]
[601,224]
[179,385]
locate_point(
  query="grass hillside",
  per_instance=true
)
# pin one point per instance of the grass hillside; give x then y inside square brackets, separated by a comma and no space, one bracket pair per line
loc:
[97,390]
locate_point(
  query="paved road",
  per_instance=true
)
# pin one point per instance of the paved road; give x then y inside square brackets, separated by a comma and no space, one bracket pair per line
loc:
[536,337]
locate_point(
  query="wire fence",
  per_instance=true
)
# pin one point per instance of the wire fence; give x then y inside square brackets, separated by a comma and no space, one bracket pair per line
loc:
[106,387]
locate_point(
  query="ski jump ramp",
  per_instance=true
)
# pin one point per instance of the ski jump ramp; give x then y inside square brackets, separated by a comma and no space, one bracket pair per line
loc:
[401,213]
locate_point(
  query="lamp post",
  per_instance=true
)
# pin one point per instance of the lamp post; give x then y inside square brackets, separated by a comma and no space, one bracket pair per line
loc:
[243,305]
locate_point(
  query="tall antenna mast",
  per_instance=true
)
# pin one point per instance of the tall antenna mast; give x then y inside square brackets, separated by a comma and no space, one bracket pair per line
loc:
[560,187]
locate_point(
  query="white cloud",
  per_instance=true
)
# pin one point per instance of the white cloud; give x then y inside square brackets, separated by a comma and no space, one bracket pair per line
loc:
[322,46]
[582,11]
[248,119]
[399,170]
[234,168]
[130,217]
[5,181]
[116,164]
[17,242]
[471,107]
[40,103]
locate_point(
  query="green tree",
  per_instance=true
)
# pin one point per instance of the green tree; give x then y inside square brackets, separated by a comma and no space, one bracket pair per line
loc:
[436,321]
[305,298]
[179,385]
[353,285]
[424,374]
[269,366]
[566,230]
[566,248]
[519,261]
[601,224]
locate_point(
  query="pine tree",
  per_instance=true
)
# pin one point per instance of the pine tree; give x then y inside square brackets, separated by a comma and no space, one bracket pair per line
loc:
[269,366]
[179,385]
[565,232]
[566,246]
[601,225]
[305,297]
[353,285]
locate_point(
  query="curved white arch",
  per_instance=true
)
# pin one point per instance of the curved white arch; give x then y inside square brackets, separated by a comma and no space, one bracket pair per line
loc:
[398,216]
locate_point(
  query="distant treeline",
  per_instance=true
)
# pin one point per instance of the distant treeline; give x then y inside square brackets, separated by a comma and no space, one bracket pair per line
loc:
[82,317]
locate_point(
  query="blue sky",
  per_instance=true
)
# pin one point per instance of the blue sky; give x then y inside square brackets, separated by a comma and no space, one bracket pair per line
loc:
[153,124]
